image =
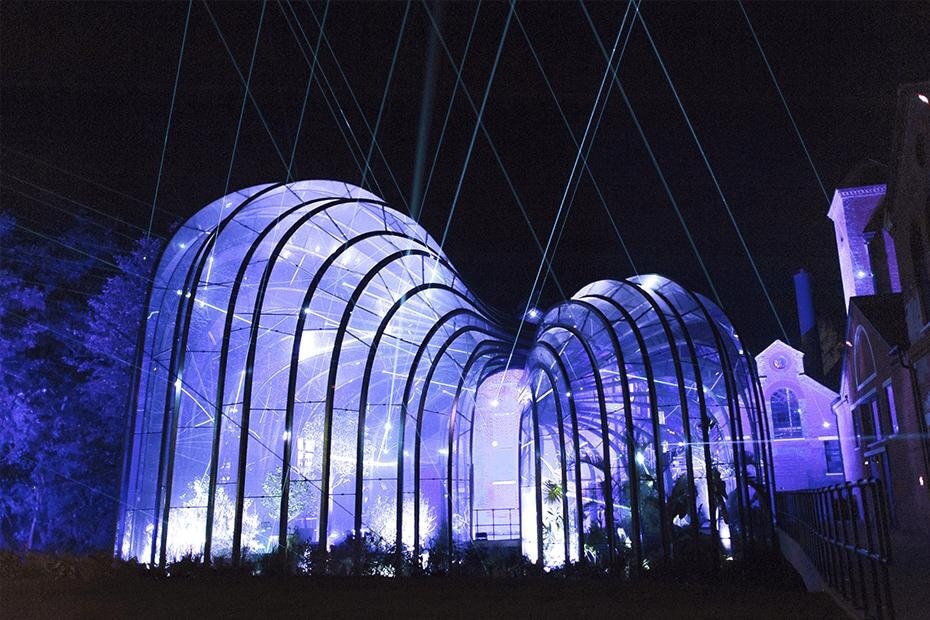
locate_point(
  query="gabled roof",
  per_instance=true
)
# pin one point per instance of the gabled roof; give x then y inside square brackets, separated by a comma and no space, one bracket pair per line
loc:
[805,380]
[778,345]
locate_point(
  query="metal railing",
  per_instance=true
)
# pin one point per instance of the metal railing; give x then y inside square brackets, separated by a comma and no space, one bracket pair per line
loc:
[845,531]
[497,524]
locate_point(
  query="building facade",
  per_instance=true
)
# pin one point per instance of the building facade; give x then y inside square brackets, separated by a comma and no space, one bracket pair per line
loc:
[806,450]
[883,409]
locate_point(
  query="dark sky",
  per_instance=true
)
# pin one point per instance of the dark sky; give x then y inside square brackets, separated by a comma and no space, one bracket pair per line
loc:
[85,91]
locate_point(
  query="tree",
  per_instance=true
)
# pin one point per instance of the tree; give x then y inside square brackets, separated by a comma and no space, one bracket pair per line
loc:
[69,317]
[40,468]
[109,335]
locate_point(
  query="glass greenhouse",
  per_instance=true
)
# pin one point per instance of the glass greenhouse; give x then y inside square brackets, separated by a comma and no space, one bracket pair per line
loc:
[314,368]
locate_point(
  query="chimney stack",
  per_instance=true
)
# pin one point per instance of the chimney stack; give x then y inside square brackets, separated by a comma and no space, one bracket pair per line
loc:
[807,320]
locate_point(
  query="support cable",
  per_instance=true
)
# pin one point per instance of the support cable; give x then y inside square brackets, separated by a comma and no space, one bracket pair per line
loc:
[75,175]
[713,176]
[303,107]
[358,107]
[387,89]
[784,102]
[655,162]
[174,93]
[77,203]
[106,229]
[436,36]
[474,133]
[571,133]
[248,91]
[245,95]
[568,184]
[491,145]
[324,85]
[65,245]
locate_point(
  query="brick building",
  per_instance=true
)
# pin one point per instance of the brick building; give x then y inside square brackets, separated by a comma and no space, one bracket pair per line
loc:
[805,444]
[883,409]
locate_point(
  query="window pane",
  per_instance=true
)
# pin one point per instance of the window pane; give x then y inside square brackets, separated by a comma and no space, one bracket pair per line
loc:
[786,415]
[831,449]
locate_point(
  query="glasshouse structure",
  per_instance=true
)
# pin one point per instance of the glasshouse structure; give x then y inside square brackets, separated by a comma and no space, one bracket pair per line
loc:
[313,368]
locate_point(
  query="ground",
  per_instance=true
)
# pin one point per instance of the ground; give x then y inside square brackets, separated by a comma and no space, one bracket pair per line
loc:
[771,590]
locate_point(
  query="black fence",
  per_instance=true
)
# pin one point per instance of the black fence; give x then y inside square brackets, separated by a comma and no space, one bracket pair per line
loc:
[844,530]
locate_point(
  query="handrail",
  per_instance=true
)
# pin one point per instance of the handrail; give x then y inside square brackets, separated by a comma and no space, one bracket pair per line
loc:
[845,531]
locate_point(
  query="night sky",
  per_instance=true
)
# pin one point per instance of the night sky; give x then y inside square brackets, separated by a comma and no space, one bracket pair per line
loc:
[85,93]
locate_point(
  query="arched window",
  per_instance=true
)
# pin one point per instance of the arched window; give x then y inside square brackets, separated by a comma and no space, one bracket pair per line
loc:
[786,414]
[863,357]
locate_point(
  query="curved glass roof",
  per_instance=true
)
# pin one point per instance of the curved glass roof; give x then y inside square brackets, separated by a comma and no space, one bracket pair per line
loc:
[314,367]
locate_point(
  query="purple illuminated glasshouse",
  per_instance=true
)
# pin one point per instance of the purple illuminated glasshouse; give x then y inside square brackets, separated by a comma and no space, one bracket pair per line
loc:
[313,365]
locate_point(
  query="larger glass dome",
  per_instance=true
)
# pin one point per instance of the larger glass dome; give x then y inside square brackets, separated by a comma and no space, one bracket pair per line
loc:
[314,368]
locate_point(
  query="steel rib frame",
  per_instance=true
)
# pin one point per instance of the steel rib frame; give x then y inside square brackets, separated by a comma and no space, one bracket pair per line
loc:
[334,369]
[134,387]
[176,368]
[563,456]
[298,334]
[736,433]
[427,252]
[632,469]
[408,387]
[437,358]
[674,343]
[704,425]
[250,361]
[224,357]
[602,407]
[537,478]
[204,251]
[732,396]
[664,521]
[650,381]
[332,201]
[401,441]
[484,350]
[248,385]
[576,445]
[366,378]
[733,375]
